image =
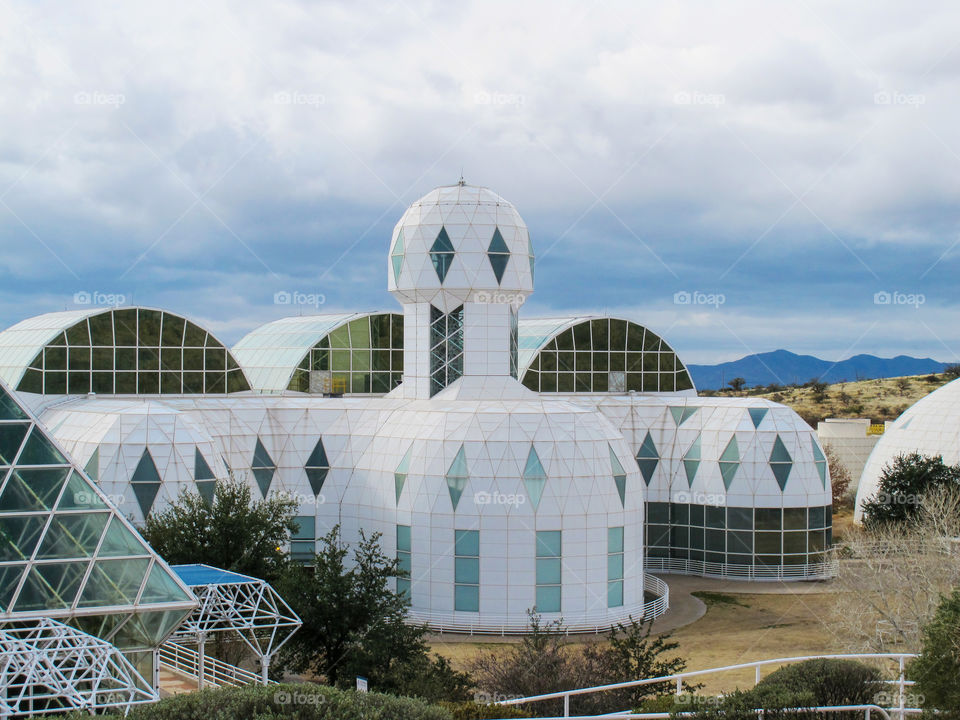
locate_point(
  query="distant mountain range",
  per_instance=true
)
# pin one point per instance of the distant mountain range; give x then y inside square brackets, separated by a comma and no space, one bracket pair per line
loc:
[785,367]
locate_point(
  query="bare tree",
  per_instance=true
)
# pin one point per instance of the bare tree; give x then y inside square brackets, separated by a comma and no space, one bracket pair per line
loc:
[891,578]
[839,476]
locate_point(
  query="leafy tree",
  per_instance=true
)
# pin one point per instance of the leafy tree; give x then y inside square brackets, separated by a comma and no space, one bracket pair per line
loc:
[952,371]
[937,670]
[819,389]
[737,384]
[354,624]
[235,532]
[903,483]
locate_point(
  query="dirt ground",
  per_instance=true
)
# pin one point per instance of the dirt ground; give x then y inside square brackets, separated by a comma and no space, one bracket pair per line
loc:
[737,628]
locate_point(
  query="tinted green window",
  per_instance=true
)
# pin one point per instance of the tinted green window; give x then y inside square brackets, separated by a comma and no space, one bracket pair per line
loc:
[466,598]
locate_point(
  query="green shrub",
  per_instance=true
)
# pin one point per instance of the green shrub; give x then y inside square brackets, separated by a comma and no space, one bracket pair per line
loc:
[476,711]
[302,701]
[828,681]
[937,669]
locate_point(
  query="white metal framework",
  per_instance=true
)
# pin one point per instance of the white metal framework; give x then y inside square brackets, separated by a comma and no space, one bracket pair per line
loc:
[231,602]
[48,667]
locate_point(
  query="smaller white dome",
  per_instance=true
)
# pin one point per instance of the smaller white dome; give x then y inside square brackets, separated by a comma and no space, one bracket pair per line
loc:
[459,244]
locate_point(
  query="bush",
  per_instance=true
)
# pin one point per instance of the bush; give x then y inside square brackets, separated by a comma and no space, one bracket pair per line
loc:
[302,701]
[829,682]
[902,484]
[952,371]
[937,670]
[476,711]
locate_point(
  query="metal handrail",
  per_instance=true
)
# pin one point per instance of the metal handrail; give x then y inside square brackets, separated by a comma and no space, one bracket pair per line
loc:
[678,679]
[216,673]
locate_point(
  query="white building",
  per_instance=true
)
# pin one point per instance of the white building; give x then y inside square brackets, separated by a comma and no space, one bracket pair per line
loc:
[509,463]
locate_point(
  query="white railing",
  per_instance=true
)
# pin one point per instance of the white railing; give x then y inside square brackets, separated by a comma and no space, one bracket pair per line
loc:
[677,679]
[729,571]
[216,673]
[486,624]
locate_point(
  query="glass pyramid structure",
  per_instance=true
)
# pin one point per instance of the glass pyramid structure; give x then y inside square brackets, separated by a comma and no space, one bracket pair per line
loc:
[66,553]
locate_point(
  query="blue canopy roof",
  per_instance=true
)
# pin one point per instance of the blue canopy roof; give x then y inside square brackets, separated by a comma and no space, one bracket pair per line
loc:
[193,575]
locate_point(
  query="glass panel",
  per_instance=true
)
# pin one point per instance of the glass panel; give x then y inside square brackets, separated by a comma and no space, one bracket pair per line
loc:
[161,587]
[658,512]
[38,450]
[740,518]
[52,586]
[466,598]
[120,540]
[80,495]
[615,594]
[794,518]
[467,570]
[73,536]
[615,539]
[19,536]
[467,542]
[32,490]
[9,579]
[548,571]
[403,537]
[114,582]
[548,543]
[548,598]
[615,566]
[768,519]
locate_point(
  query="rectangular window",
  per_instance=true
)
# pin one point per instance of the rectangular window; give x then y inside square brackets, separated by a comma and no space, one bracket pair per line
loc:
[615,567]
[303,546]
[403,559]
[466,570]
[548,570]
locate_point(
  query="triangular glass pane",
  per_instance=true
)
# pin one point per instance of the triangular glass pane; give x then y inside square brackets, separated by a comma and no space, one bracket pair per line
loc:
[906,424]
[615,465]
[647,467]
[11,438]
[820,460]
[145,493]
[399,479]
[72,536]
[40,451]
[694,452]
[19,536]
[442,244]
[690,467]
[498,244]
[757,415]
[114,582]
[404,466]
[261,458]
[52,586]
[201,469]
[316,478]
[102,626]
[120,540]
[397,262]
[779,452]
[621,482]
[161,587]
[727,471]
[32,489]
[822,472]
[92,468]
[145,482]
[817,452]
[648,449]
[9,409]
[732,452]
[318,458]
[9,579]
[80,495]
[264,477]
[682,414]
[781,471]
[207,490]
[457,477]
[499,265]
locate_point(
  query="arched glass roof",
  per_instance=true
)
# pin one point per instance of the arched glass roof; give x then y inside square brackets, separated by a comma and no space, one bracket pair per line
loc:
[346,353]
[597,354]
[133,350]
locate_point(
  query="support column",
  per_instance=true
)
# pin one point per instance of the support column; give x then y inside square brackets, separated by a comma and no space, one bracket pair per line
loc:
[201,653]
[264,668]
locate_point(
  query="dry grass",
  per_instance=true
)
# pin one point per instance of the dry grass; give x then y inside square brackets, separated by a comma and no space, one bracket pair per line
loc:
[737,628]
[879,400]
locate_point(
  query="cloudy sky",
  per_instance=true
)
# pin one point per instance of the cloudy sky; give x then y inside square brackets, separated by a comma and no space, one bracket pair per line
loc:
[741,177]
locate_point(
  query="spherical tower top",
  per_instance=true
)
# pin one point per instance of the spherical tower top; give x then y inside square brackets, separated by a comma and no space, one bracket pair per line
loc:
[460,244]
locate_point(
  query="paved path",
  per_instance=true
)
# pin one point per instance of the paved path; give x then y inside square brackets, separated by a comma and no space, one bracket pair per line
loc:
[172,683]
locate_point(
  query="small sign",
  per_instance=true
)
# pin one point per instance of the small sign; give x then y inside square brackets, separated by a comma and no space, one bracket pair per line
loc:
[361,684]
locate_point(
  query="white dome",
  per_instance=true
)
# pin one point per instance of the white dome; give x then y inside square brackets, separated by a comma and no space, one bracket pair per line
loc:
[460,244]
[931,426]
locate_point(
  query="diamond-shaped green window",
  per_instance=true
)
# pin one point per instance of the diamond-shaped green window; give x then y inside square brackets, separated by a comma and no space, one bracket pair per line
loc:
[820,461]
[145,482]
[619,475]
[317,467]
[729,462]
[534,477]
[396,256]
[648,458]
[457,477]
[682,414]
[263,468]
[203,476]
[691,461]
[441,253]
[780,462]
[499,255]
[400,474]
[757,415]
